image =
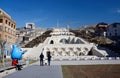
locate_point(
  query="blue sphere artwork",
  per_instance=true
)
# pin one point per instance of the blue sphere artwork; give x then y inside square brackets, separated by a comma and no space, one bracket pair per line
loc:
[16,53]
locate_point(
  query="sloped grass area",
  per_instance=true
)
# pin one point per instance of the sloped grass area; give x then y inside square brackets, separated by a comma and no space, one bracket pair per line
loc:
[91,71]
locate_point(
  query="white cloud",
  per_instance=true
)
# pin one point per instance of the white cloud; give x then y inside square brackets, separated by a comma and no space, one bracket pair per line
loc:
[118,10]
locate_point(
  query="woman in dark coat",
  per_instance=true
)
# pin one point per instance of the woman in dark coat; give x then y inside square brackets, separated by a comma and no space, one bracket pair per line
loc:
[49,58]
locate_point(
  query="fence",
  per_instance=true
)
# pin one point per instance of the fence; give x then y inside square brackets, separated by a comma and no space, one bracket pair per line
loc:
[8,66]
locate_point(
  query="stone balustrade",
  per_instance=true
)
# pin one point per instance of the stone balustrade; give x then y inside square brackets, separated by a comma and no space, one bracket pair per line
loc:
[84,58]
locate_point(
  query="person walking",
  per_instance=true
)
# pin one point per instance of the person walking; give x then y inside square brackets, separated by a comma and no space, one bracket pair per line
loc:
[41,59]
[49,58]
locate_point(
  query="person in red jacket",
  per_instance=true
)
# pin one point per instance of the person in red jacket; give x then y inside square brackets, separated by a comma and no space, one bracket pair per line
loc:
[14,62]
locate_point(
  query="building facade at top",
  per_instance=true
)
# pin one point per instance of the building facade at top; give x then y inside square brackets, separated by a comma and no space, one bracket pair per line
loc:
[28,33]
[7,28]
[7,32]
[30,25]
[62,45]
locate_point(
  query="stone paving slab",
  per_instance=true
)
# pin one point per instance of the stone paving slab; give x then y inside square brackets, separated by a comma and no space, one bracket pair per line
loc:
[36,71]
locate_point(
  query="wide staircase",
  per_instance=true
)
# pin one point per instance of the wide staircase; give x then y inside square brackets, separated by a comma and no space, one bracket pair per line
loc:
[37,40]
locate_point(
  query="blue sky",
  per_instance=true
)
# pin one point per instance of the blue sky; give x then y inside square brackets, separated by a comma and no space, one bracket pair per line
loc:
[45,13]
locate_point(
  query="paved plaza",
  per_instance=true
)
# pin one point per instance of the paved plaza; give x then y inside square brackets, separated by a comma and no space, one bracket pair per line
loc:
[54,71]
[37,71]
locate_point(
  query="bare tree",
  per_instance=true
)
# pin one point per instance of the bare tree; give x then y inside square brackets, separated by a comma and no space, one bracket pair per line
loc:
[2,55]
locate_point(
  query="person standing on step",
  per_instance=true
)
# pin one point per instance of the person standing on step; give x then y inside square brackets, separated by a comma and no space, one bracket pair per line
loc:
[41,59]
[48,57]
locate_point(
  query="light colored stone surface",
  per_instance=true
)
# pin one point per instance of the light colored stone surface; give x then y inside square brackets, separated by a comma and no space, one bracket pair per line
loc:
[54,71]
[63,43]
[83,62]
[37,71]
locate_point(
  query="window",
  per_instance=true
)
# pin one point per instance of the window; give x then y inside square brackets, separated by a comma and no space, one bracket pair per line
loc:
[6,21]
[110,34]
[11,31]
[115,30]
[115,34]
[0,35]
[51,42]
[1,20]
[86,49]
[9,23]
[80,54]
[6,29]
[78,41]
[0,27]
[6,37]
[63,41]
[114,26]
[14,26]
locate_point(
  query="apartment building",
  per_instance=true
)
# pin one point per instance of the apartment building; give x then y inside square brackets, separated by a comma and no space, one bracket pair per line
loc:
[101,29]
[113,30]
[30,25]
[7,28]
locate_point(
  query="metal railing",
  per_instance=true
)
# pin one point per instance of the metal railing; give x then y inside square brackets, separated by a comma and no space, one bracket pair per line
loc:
[9,67]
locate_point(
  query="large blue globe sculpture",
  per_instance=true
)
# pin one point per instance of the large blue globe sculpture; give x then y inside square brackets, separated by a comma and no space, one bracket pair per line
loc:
[16,53]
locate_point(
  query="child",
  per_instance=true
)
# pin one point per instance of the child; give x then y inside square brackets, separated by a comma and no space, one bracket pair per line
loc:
[45,61]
